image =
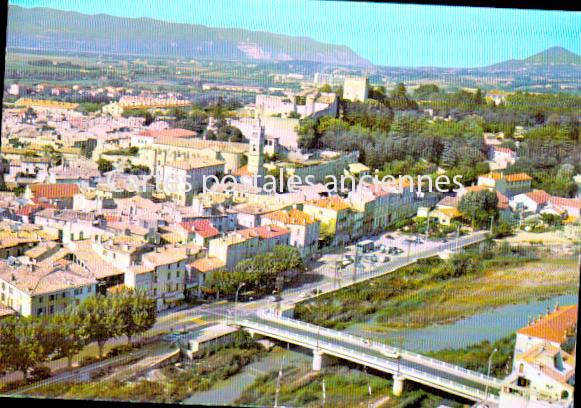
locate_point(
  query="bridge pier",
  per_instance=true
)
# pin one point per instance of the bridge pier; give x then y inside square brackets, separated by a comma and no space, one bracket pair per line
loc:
[321,360]
[398,385]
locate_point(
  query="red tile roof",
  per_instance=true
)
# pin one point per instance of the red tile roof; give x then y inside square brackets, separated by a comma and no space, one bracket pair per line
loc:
[539,196]
[566,202]
[502,201]
[554,326]
[264,232]
[177,132]
[28,209]
[204,265]
[503,150]
[51,191]
[201,227]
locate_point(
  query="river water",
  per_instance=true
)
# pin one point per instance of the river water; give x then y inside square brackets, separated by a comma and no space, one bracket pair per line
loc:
[490,325]
[228,391]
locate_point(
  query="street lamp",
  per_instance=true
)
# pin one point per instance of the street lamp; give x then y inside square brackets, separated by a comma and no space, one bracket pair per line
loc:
[489,365]
[240,286]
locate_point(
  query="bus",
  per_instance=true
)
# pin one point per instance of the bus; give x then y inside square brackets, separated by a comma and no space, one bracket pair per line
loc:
[366,246]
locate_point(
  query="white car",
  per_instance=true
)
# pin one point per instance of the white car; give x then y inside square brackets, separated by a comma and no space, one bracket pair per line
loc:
[304,295]
[391,353]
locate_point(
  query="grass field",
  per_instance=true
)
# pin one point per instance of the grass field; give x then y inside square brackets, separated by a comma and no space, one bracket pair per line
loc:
[423,294]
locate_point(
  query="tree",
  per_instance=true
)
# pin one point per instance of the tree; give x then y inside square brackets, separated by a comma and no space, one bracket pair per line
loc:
[326,88]
[149,118]
[24,343]
[479,206]
[136,311]
[100,320]
[400,99]
[68,334]
[307,133]
[104,165]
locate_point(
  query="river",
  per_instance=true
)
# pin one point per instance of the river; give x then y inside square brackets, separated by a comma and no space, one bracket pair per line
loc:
[490,325]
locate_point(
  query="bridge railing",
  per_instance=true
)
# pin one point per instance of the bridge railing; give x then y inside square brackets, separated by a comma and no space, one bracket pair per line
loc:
[382,363]
[358,340]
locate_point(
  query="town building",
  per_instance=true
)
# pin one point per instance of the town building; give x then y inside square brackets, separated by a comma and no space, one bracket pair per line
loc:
[508,184]
[335,216]
[181,180]
[46,287]
[304,229]
[356,89]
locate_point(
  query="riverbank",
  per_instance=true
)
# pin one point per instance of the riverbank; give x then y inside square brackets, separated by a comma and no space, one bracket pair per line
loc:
[475,357]
[434,291]
[170,384]
[344,387]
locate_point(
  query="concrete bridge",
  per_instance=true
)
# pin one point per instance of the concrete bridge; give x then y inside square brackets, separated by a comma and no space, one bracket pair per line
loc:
[329,345]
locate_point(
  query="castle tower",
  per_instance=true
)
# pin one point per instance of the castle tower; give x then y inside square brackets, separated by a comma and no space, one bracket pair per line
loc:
[256,152]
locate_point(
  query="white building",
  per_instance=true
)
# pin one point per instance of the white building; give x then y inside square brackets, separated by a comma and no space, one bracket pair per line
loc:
[356,89]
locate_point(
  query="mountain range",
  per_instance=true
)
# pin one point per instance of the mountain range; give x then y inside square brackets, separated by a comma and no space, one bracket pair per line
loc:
[66,31]
[50,30]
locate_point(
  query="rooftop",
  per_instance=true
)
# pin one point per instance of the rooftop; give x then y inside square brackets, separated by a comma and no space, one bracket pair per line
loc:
[198,163]
[264,232]
[51,275]
[51,191]
[205,265]
[292,216]
[177,132]
[554,326]
[332,203]
[201,227]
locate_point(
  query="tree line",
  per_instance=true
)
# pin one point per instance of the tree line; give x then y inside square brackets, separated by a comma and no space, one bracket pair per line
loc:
[28,342]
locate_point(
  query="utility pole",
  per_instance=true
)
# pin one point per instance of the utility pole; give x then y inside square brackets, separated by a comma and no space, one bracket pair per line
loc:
[428,227]
[355,263]
[491,223]
[277,392]
[457,238]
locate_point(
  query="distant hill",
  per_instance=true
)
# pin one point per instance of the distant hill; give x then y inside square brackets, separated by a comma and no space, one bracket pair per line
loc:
[554,55]
[551,56]
[65,31]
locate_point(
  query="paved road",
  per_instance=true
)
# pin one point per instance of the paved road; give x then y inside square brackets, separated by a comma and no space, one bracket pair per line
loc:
[354,349]
[190,318]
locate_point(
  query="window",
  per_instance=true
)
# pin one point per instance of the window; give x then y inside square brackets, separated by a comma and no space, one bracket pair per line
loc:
[51,298]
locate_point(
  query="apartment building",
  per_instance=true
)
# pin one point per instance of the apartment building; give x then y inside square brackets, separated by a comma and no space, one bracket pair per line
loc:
[304,229]
[45,288]
[181,180]
[335,216]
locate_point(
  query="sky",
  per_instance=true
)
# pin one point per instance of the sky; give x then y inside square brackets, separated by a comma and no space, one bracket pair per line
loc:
[385,34]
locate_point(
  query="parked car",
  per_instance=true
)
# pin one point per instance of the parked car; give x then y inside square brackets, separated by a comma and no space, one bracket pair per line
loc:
[316,291]
[386,259]
[304,295]
[373,258]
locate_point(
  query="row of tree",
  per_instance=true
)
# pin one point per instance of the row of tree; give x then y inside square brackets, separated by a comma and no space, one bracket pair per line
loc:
[259,273]
[28,342]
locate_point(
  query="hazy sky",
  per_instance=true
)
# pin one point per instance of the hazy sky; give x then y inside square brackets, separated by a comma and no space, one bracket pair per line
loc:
[386,34]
